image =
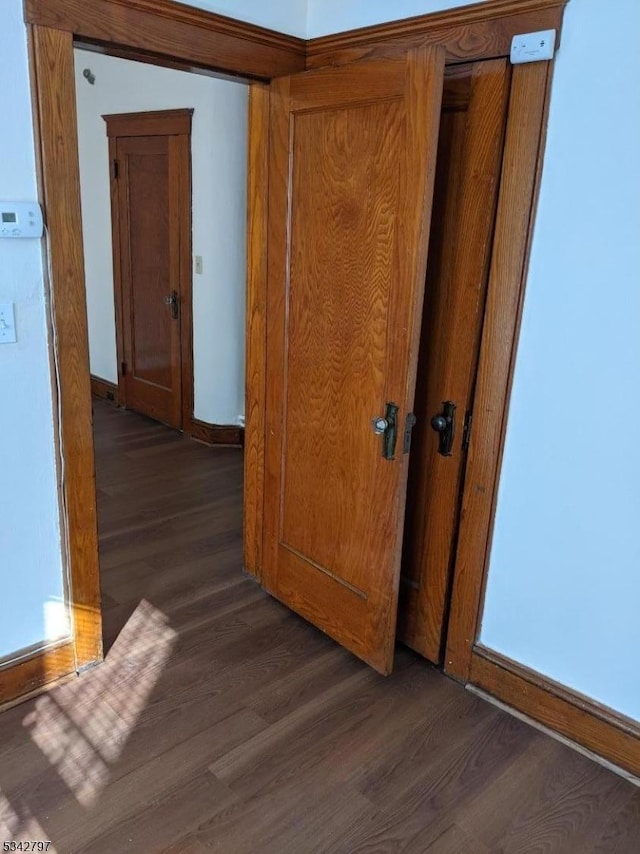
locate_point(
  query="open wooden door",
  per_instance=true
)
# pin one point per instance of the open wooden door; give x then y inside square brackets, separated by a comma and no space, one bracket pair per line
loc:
[351,173]
[470,150]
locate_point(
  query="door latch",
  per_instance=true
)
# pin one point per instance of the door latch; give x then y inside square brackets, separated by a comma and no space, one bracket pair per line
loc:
[444,425]
[410,423]
[172,300]
[387,427]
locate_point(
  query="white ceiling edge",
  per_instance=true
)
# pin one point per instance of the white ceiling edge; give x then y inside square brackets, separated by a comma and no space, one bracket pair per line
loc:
[313,18]
[284,16]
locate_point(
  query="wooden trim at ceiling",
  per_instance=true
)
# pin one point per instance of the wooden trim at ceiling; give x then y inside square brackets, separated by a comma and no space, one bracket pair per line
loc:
[54,80]
[519,183]
[151,123]
[175,30]
[468,33]
[256,329]
[602,730]
[215,434]
[21,678]
[104,389]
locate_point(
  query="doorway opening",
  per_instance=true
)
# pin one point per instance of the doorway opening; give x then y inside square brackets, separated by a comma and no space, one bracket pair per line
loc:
[163,184]
[149,165]
[152,203]
[162,156]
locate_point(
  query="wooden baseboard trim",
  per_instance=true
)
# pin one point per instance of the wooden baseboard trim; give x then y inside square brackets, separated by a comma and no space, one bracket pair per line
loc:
[216,434]
[600,729]
[24,678]
[104,389]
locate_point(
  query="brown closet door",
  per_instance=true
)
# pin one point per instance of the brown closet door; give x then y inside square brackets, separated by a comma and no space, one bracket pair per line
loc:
[352,164]
[150,229]
[464,208]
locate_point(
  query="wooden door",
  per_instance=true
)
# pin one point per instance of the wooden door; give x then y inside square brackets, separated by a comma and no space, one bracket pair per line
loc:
[465,199]
[151,235]
[352,164]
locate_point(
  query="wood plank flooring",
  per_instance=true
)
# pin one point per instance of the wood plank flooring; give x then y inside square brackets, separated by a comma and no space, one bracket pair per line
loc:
[222,722]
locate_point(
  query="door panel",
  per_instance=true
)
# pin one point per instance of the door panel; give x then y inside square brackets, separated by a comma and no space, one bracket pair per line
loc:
[352,162]
[465,199]
[149,239]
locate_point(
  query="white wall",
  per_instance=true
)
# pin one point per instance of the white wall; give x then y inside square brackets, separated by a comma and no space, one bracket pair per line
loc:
[564,582]
[334,16]
[30,563]
[219,153]
[285,16]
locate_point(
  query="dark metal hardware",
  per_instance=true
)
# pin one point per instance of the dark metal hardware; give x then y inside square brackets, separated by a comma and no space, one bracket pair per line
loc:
[387,427]
[390,435]
[466,433]
[408,427]
[444,424]
[172,300]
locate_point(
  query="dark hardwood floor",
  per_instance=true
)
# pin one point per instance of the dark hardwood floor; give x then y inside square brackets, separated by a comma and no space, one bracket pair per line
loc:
[222,722]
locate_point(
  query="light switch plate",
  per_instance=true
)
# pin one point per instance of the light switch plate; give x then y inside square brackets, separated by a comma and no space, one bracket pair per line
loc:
[199,265]
[7,323]
[533,47]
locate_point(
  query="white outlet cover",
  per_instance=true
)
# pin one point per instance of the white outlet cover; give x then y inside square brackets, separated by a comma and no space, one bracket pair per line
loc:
[533,47]
[7,323]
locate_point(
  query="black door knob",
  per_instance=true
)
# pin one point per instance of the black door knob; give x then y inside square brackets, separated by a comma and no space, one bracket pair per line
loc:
[439,423]
[444,425]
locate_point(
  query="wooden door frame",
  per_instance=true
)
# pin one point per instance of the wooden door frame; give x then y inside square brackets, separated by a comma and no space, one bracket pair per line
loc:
[179,36]
[157,123]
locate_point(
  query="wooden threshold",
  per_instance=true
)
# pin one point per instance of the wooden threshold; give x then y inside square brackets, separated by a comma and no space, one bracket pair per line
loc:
[600,729]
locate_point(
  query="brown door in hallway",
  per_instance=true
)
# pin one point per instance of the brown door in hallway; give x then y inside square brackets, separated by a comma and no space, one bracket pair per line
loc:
[465,199]
[151,219]
[352,163]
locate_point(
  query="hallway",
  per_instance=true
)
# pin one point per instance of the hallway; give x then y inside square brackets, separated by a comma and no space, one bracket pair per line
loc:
[220,721]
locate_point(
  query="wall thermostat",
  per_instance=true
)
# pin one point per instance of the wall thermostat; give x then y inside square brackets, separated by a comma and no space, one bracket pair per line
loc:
[20,219]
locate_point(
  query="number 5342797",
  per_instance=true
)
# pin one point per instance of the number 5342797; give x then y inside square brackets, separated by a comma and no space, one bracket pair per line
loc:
[26,846]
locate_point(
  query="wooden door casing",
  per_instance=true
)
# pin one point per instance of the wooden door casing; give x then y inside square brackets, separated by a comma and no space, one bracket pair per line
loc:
[465,200]
[352,165]
[151,226]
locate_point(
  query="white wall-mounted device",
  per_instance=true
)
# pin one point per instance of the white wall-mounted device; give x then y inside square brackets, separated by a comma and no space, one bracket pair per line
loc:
[20,219]
[7,323]
[533,47]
